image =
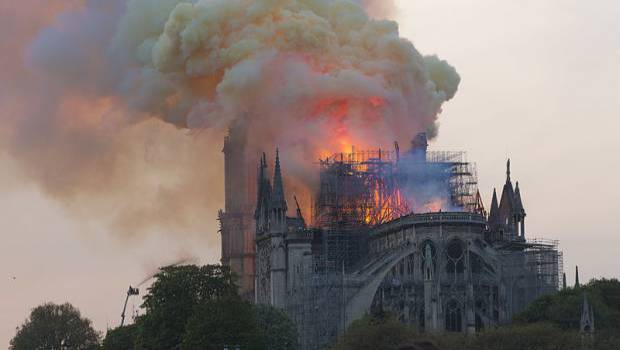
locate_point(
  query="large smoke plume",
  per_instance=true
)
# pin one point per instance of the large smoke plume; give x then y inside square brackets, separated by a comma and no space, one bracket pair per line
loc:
[118,108]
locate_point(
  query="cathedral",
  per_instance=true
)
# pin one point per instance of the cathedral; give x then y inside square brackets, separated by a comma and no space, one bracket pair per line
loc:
[380,240]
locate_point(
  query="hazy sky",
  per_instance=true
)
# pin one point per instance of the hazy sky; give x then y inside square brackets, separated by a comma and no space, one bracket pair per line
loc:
[539,85]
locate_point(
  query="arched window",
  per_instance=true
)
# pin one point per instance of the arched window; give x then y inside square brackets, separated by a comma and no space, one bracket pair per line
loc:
[455,256]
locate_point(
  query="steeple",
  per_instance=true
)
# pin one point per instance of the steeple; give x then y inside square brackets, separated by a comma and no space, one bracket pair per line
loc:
[277,205]
[260,180]
[277,199]
[263,197]
[576,276]
[494,213]
[563,280]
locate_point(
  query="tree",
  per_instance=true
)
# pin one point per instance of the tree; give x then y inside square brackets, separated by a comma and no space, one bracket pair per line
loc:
[277,330]
[55,327]
[120,338]
[172,298]
[563,308]
[540,336]
[381,332]
[218,323]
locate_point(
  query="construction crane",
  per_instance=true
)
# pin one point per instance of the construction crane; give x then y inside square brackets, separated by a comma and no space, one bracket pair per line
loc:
[131,291]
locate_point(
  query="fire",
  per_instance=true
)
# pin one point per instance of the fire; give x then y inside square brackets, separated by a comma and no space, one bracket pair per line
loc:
[336,112]
[387,203]
[435,205]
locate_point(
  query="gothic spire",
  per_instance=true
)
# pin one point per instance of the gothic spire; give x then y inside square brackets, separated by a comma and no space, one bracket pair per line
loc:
[563,280]
[278,200]
[576,276]
[518,203]
[263,197]
[494,212]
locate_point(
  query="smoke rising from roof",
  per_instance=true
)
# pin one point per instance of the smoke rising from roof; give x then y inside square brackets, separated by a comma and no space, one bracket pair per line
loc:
[311,76]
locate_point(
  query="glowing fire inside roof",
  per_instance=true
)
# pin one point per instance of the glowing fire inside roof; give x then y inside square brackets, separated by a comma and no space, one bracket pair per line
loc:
[373,187]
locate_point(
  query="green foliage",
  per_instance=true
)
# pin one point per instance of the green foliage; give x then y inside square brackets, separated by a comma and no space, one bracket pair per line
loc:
[563,309]
[278,332]
[223,322]
[120,338]
[191,307]
[375,333]
[539,336]
[386,333]
[171,300]
[50,326]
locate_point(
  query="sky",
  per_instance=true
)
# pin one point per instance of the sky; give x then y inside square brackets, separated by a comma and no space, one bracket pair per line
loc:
[538,85]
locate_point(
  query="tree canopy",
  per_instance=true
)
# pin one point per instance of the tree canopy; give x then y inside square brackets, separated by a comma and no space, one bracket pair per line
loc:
[377,332]
[120,338]
[218,323]
[191,307]
[52,326]
[278,332]
[172,299]
[563,309]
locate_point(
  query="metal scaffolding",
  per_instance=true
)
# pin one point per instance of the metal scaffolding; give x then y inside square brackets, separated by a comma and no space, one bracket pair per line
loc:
[371,187]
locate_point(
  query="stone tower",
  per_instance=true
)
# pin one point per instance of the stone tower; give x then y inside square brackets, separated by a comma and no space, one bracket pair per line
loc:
[271,234]
[237,219]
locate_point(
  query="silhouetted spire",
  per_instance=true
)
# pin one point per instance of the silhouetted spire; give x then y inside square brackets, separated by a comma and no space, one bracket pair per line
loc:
[494,213]
[278,200]
[261,178]
[576,276]
[508,171]
[563,280]
[263,197]
[518,203]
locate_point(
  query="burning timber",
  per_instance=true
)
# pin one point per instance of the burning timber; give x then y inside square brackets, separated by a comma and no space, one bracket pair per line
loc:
[403,232]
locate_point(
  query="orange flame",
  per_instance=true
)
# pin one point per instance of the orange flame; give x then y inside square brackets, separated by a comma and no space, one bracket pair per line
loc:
[336,111]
